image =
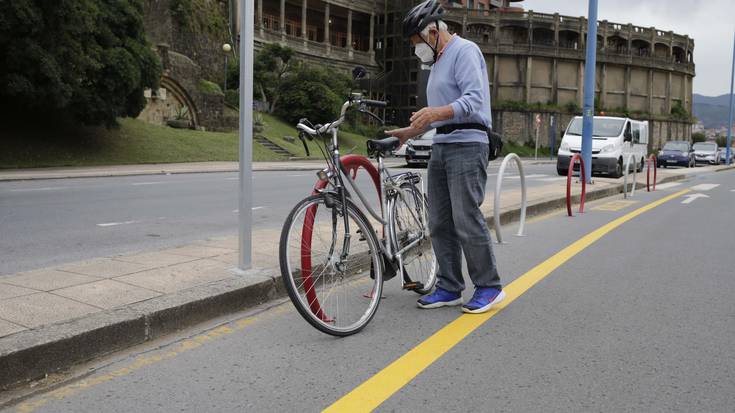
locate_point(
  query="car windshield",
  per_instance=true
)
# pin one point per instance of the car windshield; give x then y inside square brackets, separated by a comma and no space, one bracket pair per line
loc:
[676,146]
[604,128]
[706,147]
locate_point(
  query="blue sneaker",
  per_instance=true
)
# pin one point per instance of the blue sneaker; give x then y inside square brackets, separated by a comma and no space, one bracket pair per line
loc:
[483,299]
[440,298]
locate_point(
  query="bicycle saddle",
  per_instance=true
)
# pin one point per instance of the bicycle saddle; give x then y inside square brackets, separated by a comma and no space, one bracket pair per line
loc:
[383,146]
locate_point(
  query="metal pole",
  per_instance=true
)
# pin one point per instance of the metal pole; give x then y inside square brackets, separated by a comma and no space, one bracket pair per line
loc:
[729,122]
[247,32]
[589,90]
[552,137]
[225,74]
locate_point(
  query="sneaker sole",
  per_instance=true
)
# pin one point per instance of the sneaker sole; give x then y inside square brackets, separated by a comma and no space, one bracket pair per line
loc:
[440,304]
[486,308]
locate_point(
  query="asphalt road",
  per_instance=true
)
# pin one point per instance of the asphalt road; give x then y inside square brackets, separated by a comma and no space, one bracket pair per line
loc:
[51,222]
[640,319]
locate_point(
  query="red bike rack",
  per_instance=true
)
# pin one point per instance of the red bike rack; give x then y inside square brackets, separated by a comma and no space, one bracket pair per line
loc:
[651,159]
[352,164]
[576,157]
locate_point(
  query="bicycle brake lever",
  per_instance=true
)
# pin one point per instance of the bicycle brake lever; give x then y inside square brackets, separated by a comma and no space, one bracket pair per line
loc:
[303,141]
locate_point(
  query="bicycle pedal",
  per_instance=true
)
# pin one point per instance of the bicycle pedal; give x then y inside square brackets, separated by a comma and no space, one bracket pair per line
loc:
[413,286]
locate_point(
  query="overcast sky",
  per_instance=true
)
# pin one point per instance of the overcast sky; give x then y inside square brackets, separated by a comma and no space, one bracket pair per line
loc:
[710,22]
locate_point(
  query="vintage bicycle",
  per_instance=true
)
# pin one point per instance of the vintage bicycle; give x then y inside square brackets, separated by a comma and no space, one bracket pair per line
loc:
[333,261]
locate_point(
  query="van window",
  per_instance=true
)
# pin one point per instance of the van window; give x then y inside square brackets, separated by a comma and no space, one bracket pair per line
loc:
[604,128]
[636,133]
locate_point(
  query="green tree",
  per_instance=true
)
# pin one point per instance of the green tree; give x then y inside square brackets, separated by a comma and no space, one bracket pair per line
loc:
[271,69]
[312,92]
[83,59]
[698,137]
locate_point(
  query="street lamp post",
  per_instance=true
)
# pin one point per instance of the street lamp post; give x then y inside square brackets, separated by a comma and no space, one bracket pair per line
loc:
[245,203]
[728,155]
[589,91]
[226,48]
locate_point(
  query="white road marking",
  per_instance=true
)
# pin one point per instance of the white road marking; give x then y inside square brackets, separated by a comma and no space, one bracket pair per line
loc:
[668,185]
[704,187]
[236,211]
[296,176]
[532,176]
[114,224]
[147,183]
[693,197]
[49,188]
[560,178]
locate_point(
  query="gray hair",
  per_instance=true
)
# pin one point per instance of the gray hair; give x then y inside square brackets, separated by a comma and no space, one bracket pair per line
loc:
[442,28]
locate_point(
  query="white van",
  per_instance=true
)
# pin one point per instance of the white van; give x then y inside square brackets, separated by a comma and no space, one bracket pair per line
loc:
[612,140]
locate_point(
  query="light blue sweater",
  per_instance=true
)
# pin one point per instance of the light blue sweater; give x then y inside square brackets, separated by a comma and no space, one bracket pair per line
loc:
[460,78]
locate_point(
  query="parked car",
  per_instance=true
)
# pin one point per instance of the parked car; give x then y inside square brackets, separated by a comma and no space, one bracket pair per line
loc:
[706,152]
[418,151]
[723,155]
[676,153]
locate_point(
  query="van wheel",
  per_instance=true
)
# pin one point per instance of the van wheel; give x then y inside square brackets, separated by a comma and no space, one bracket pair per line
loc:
[618,169]
[642,165]
[562,172]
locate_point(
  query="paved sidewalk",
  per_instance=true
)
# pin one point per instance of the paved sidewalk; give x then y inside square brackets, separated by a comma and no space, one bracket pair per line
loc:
[175,168]
[54,317]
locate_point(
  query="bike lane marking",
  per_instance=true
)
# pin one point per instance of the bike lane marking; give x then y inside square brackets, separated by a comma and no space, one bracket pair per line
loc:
[377,389]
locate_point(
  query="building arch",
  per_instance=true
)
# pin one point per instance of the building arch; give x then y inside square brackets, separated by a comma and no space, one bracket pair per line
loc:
[179,93]
[543,36]
[641,48]
[617,44]
[679,54]
[661,50]
[569,39]
[514,34]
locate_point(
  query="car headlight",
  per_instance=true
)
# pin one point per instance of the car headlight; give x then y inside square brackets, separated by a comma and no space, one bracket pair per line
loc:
[608,148]
[564,147]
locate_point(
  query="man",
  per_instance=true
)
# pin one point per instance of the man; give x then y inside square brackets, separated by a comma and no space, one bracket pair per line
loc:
[459,107]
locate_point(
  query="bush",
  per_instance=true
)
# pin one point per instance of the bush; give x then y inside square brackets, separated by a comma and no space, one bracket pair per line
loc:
[232,98]
[698,137]
[210,88]
[316,93]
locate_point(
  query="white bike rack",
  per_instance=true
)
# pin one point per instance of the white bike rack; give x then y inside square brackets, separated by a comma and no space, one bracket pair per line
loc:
[628,161]
[498,188]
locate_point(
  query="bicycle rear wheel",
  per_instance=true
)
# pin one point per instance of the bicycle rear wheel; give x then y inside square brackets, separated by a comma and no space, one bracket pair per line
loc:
[409,224]
[336,294]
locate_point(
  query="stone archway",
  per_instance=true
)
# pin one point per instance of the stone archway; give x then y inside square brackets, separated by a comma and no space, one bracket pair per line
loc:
[168,103]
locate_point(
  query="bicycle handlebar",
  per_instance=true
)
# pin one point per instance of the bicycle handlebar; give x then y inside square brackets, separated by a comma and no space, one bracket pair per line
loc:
[329,126]
[374,103]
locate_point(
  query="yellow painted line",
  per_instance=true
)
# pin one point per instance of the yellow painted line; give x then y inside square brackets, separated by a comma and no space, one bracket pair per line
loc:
[378,388]
[614,206]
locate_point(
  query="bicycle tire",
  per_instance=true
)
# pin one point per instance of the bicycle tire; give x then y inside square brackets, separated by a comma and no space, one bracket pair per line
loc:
[311,308]
[429,278]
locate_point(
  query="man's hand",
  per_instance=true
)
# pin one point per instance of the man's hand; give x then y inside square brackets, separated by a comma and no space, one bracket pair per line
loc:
[404,134]
[423,119]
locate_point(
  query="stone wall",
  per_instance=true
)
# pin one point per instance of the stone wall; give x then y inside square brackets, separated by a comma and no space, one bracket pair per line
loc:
[520,127]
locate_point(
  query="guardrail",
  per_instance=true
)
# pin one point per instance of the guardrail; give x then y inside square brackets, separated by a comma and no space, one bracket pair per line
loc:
[498,187]
[631,159]
[651,159]
[576,157]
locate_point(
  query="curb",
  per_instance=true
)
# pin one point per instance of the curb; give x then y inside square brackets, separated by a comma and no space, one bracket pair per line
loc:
[33,354]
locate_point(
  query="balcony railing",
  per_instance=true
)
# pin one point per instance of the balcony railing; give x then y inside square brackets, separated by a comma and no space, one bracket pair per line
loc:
[567,23]
[316,48]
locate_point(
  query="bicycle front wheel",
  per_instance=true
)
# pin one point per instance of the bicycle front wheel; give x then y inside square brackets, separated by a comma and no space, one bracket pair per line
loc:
[409,226]
[332,269]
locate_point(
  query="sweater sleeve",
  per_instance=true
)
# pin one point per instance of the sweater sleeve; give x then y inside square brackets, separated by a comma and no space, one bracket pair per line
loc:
[469,77]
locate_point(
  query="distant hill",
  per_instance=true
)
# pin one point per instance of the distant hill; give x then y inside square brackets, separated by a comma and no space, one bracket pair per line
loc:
[712,110]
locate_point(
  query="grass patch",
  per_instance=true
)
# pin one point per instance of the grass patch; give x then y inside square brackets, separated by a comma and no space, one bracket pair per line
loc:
[276,131]
[138,142]
[524,151]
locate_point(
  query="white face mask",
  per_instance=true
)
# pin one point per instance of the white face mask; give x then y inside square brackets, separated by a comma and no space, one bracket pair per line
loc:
[425,53]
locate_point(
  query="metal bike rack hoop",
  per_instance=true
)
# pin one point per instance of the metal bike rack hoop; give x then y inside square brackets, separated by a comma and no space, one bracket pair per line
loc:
[630,158]
[498,187]
[651,160]
[576,157]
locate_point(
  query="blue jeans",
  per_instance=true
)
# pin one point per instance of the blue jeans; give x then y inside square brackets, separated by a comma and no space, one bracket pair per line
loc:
[456,189]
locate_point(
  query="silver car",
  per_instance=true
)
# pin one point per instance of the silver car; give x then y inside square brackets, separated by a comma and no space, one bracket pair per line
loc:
[706,152]
[417,151]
